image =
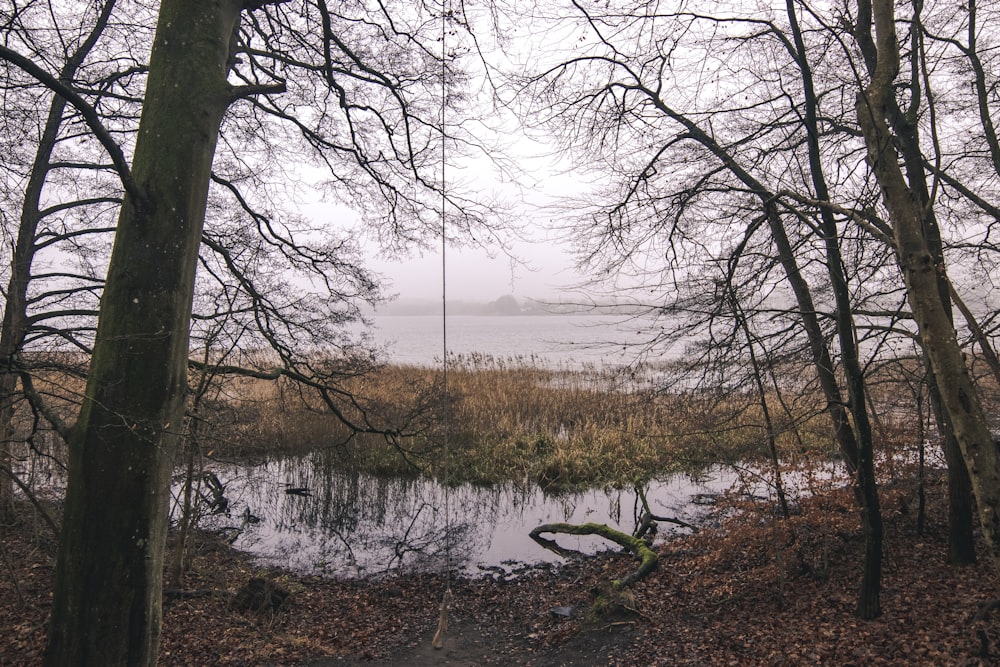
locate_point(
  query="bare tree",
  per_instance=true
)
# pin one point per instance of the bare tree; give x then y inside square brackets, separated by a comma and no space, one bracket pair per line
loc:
[356,84]
[892,138]
[701,160]
[59,230]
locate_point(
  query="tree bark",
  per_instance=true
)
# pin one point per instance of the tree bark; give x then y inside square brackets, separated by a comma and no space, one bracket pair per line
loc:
[961,544]
[922,270]
[107,602]
[961,510]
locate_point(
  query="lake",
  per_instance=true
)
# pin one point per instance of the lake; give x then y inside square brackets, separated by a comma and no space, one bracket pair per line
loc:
[569,341]
[357,525]
[354,525]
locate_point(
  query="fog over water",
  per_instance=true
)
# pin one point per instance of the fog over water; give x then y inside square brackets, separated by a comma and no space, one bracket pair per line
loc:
[549,340]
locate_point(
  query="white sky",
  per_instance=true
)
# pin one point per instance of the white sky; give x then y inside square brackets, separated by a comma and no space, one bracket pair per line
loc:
[537,269]
[542,267]
[473,275]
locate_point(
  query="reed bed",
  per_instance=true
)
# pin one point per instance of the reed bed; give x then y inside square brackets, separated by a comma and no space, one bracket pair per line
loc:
[512,419]
[504,419]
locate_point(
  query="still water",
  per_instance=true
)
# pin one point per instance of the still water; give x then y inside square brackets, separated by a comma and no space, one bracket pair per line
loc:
[552,340]
[358,525]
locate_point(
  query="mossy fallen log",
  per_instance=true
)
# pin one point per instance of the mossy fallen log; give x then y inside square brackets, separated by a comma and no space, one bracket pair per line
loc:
[647,557]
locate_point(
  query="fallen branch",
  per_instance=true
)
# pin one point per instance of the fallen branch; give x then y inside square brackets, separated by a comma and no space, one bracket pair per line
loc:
[647,557]
[648,520]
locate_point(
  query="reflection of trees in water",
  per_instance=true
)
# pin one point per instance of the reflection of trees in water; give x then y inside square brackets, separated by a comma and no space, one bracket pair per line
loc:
[353,523]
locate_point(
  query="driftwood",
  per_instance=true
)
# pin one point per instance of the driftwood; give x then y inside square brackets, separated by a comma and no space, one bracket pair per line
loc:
[647,557]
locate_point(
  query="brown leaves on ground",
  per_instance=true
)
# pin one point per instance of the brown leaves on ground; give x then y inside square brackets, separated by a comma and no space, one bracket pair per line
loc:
[751,591]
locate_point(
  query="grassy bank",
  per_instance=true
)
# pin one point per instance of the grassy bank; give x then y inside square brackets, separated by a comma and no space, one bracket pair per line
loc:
[507,419]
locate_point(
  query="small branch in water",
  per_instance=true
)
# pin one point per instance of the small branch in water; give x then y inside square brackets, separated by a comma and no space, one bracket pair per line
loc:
[648,520]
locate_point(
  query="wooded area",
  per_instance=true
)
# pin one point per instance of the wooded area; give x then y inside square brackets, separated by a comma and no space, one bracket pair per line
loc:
[775,186]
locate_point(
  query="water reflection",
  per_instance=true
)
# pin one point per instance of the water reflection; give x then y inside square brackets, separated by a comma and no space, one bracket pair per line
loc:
[358,525]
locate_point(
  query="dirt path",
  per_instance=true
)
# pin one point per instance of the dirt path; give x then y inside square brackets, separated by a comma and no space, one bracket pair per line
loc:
[466,646]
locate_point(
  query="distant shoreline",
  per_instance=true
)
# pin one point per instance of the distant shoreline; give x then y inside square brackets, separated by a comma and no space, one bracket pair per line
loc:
[505,306]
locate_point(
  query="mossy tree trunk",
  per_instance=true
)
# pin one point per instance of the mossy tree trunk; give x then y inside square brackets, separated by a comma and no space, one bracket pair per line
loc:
[647,557]
[107,604]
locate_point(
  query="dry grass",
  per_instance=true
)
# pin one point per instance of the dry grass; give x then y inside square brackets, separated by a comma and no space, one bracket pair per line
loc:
[507,419]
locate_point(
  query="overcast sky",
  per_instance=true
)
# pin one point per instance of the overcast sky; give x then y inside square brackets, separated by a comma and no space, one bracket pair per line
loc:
[472,275]
[543,267]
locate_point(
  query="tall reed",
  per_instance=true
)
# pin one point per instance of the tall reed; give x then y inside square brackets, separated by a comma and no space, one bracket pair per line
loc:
[510,419]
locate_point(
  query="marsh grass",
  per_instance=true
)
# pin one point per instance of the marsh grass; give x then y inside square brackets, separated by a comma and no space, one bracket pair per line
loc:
[507,419]
[510,419]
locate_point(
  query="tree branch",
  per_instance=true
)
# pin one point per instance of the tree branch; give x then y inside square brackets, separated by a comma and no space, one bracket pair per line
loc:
[90,116]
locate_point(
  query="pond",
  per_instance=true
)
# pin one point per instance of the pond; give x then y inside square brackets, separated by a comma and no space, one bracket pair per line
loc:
[302,514]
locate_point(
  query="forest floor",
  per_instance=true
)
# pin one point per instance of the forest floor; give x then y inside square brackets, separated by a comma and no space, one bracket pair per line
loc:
[744,591]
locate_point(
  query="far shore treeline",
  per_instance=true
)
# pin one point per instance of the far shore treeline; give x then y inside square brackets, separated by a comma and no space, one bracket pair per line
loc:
[508,305]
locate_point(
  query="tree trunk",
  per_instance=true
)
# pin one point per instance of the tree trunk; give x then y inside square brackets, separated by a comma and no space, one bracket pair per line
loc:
[8,384]
[14,326]
[179,562]
[961,544]
[921,272]
[758,377]
[869,599]
[885,55]
[107,603]
[15,323]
